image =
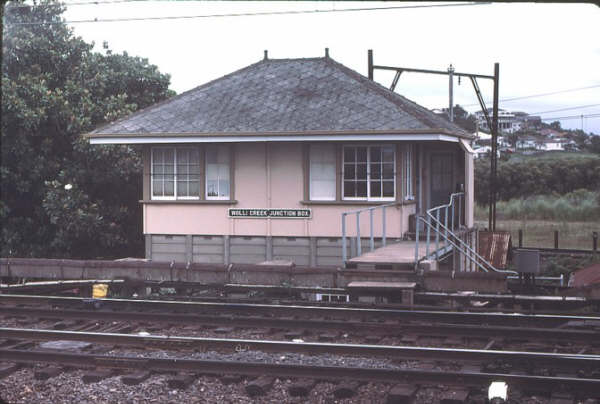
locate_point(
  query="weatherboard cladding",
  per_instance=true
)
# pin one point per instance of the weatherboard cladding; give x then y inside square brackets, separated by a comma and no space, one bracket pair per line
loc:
[283,95]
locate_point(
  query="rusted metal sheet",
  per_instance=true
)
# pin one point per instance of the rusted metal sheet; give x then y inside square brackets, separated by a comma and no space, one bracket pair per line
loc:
[494,247]
[587,276]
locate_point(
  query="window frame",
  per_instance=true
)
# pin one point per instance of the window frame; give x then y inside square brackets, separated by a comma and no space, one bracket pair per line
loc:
[368,198]
[175,197]
[229,164]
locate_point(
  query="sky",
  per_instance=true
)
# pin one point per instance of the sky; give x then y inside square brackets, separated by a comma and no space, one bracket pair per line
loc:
[541,48]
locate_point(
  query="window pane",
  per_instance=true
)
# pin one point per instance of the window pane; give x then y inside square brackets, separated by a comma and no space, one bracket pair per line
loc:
[375,171]
[388,171]
[157,156]
[361,171]
[322,172]
[361,188]
[158,169]
[169,169]
[349,172]
[194,188]
[211,188]
[157,187]
[375,154]
[211,172]
[361,154]
[388,188]
[349,154]
[182,169]
[349,189]
[182,188]
[194,156]
[223,171]
[375,189]
[169,188]
[388,154]
[169,156]
[224,188]
[182,156]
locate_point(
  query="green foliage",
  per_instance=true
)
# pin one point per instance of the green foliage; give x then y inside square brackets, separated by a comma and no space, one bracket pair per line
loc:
[520,178]
[580,205]
[54,89]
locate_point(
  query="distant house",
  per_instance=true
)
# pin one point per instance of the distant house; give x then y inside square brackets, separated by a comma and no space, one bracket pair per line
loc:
[261,163]
[507,121]
[552,133]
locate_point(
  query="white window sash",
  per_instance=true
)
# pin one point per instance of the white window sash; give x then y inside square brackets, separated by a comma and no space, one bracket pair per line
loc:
[175,179]
[369,198]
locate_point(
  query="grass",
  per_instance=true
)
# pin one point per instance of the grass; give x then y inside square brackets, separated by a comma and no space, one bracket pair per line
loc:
[540,233]
[580,205]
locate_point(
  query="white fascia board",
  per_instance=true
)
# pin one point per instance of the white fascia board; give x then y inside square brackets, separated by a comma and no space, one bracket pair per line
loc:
[269,138]
[466,146]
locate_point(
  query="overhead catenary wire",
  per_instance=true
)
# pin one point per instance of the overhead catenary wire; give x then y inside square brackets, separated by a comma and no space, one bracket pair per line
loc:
[248,14]
[568,90]
[560,118]
[565,109]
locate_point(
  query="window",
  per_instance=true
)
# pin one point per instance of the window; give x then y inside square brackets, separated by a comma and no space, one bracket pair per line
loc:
[322,172]
[408,173]
[369,172]
[175,173]
[217,172]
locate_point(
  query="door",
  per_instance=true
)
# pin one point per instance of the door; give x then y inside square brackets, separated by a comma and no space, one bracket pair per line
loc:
[442,184]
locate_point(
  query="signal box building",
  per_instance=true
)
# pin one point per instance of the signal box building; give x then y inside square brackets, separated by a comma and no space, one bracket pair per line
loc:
[259,164]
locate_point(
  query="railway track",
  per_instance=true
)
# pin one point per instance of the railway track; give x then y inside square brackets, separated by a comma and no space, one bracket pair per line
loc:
[344,313]
[380,363]
[402,370]
[396,328]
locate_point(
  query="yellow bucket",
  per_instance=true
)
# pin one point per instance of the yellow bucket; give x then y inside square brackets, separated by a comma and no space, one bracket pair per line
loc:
[99,290]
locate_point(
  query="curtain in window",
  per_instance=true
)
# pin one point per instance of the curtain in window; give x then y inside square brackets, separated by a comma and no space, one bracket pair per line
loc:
[217,172]
[322,172]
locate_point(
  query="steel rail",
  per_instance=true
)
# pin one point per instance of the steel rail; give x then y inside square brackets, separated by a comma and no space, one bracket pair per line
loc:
[467,330]
[581,385]
[341,312]
[556,360]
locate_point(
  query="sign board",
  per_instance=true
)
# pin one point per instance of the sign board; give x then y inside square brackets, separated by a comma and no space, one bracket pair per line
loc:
[270,213]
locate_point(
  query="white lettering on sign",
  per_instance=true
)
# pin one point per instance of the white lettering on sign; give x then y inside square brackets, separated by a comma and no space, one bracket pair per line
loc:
[271,213]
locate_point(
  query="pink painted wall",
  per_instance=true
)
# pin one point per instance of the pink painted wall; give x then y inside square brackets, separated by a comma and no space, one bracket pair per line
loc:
[268,176]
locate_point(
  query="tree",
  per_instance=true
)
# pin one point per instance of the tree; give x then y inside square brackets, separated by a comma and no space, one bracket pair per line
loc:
[62,197]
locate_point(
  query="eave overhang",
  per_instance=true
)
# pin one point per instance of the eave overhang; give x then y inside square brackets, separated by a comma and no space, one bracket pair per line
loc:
[310,136]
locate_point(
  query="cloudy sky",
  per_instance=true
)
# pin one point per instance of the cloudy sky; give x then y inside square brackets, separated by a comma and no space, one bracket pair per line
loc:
[541,48]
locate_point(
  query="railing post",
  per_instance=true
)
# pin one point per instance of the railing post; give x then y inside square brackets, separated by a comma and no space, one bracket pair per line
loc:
[453,209]
[556,239]
[344,248]
[383,226]
[446,223]
[459,209]
[428,235]
[437,233]
[372,240]
[416,240]
[358,246]
[595,241]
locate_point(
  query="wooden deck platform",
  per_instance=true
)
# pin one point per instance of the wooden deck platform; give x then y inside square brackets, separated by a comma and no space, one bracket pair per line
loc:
[397,254]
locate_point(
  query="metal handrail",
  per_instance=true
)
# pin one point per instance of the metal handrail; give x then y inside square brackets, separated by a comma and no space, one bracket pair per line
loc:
[371,236]
[469,253]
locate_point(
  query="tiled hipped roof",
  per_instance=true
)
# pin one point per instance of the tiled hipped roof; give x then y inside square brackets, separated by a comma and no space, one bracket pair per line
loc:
[283,95]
